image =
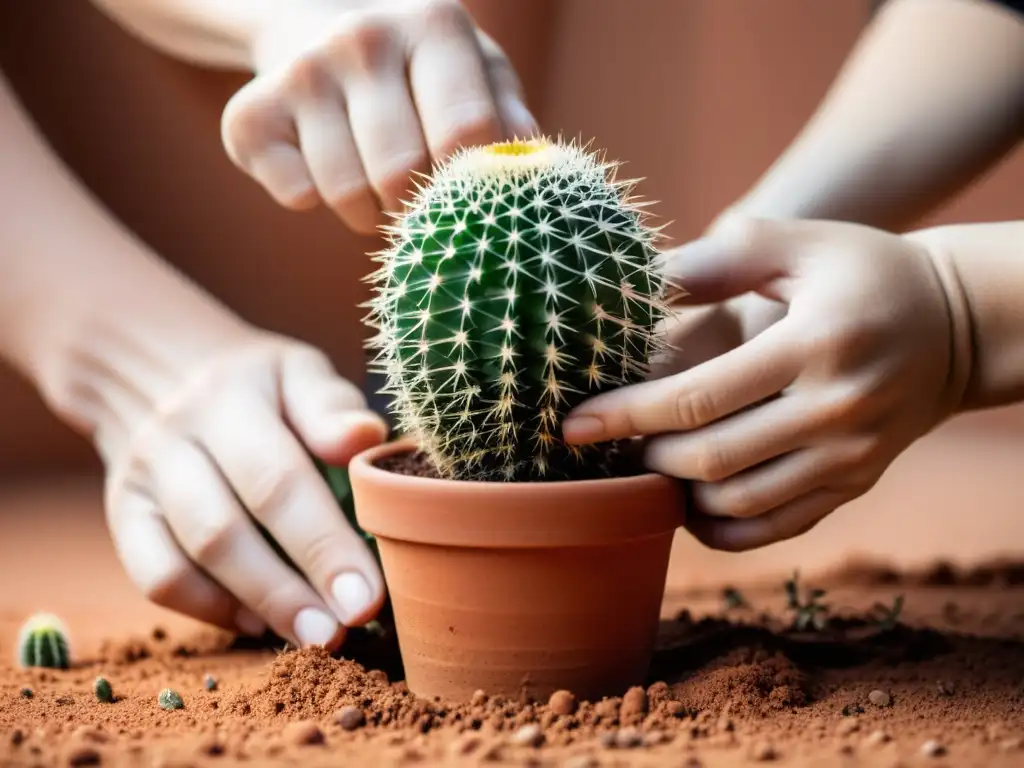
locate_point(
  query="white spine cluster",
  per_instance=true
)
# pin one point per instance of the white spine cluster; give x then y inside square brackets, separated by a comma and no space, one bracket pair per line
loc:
[519,281]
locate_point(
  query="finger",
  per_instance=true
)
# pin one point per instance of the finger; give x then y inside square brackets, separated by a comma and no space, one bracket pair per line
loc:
[741,441]
[784,522]
[758,369]
[334,165]
[778,482]
[328,413]
[517,121]
[260,139]
[218,535]
[742,255]
[156,565]
[278,483]
[451,83]
[368,64]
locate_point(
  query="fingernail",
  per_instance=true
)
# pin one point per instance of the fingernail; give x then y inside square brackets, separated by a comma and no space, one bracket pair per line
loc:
[314,627]
[582,429]
[353,596]
[249,623]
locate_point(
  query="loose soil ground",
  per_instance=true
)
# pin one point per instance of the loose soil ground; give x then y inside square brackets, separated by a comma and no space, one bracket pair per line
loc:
[730,685]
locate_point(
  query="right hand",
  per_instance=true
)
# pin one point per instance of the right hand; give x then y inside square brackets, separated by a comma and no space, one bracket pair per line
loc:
[349,104]
[215,438]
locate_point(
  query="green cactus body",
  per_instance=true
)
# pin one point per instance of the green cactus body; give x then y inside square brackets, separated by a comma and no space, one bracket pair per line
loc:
[42,642]
[519,282]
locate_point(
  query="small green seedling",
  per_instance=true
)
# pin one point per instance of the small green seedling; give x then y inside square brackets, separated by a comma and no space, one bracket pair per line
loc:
[169,700]
[733,599]
[889,615]
[43,642]
[808,614]
[103,690]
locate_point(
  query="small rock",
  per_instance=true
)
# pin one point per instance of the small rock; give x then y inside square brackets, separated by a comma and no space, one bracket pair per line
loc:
[932,748]
[467,745]
[17,737]
[303,733]
[563,703]
[211,746]
[159,634]
[627,738]
[945,687]
[103,690]
[83,755]
[1011,745]
[846,749]
[654,738]
[210,683]
[479,698]
[350,718]
[877,738]
[528,736]
[581,761]
[26,693]
[763,752]
[880,698]
[634,703]
[169,700]
[607,739]
[846,727]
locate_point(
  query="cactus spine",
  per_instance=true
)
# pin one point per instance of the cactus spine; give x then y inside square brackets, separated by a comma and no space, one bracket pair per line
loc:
[42,642]
[520,281]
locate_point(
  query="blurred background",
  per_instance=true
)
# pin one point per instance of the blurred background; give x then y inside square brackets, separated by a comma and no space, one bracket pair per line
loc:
[697,96]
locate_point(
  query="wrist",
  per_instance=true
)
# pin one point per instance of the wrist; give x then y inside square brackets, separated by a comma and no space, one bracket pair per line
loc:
[960,320]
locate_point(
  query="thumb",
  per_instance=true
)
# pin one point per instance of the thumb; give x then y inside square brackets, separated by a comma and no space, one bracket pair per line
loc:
[328,413]
[738,255]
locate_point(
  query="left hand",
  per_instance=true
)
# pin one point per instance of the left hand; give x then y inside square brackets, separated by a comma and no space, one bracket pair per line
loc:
[807,414]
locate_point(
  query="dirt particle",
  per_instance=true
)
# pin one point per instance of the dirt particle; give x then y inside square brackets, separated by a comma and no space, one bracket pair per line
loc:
[692,762]
[211,746]
[350,718]
[877,738]
[303,733]
[528,736]
[17,737]
[628,738]
[26,693]
[479,698]
[880,698]
[932,748]
[1011,745]
[634,704]
[852,709]
[83,755]
[654,738]
[467,745]
[945,687]
[563,703]
[847,727]
[763,752]
[210,683]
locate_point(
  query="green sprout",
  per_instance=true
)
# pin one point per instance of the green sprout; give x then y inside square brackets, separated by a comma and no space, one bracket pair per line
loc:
[811,613]
[889,615]
[734,599]
[103,690]
[43,642]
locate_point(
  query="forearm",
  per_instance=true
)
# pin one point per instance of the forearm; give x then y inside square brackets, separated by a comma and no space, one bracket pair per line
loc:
[217,33]
[932,95]
[81,299]
[988,264]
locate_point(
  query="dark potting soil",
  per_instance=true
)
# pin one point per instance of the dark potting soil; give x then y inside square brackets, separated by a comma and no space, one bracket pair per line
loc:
[729,686]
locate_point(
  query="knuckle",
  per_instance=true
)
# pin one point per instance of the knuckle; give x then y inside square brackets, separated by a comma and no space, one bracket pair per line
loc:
[693,408]
[166,589]
[394,184]
[444,16]
[711,462]
[215,537]
[270,490]
[734,499]
[363,42]
[241,125]
[308,76]
[471,123]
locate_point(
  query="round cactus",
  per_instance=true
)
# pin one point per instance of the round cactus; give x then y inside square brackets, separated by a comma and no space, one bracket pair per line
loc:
[520,281]
[43,642]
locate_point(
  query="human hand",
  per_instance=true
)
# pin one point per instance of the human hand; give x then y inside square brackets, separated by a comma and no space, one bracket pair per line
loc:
[201,448]
[808,413]
[349,104]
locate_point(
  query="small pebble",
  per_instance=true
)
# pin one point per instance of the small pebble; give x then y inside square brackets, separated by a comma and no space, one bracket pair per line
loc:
[846,727]
[479,698]
[876,738]
[763,752]
[846,749]
[211,746]
[17,737]
[634,703]
[467,744]
[932,748]
[880,698]
[581,761]
[945,687]
[26,693]
[350,718]
[83,755]
[210,683]
[303,733]
[627,738]
[562,703]
[528,736]
[169,700]
[103,690]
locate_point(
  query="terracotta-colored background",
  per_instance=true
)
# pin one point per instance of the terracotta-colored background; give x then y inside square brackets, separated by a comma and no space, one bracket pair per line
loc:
[699,96]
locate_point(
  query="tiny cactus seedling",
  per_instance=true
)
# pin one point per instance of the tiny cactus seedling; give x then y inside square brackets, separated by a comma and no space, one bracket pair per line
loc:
[168,699]
[520,281]
[43,642]
[26,693]
[210,683]
[103,690]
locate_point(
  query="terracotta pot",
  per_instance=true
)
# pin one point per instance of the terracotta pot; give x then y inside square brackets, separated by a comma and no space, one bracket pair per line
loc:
[520,588]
